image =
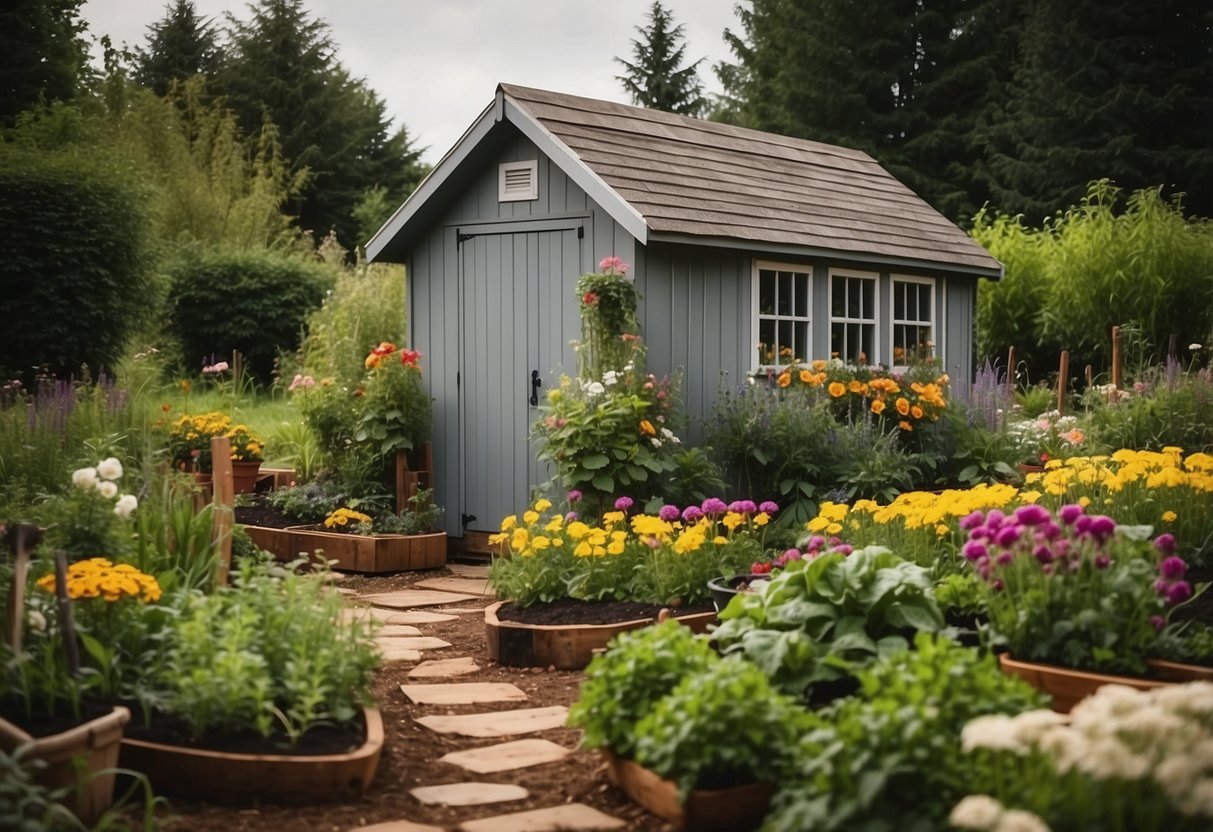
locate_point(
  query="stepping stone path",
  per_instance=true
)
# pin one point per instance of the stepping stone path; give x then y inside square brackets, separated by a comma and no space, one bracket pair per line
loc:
[401,638]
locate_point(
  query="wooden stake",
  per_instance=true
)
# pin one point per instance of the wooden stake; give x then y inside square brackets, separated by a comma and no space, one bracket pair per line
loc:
[1116,357]
[25,537]
[1090,376]
[1063,381]
[225,500]
[1011,370]
[66,622]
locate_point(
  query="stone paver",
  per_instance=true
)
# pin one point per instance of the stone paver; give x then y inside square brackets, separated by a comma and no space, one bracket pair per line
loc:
[566,818]
[407,598]
[465,693]
[396,655]
[389,630]
[469,794]
[463,610]
[498,723]
[411,643]
[507,756]
[385,616]
[419,617]
[469,570]
[397,826]
[441,668]
[469,586]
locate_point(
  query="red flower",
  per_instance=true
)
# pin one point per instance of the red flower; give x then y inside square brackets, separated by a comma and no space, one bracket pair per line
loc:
[589,298]
[409,358]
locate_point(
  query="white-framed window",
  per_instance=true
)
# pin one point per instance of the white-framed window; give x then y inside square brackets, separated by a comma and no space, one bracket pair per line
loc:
[782,312]
[913,320]
[853,316]
[518,181]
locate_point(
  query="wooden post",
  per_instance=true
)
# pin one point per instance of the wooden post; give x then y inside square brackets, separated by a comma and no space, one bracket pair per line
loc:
[225,500]
[25,537]
[1116,358]
[64,606]
[408,480]
[1063,380]
[1090,376]
[1011,370]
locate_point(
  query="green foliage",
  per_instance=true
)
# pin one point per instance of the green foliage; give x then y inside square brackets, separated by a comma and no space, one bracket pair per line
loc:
[694,478]
[45,54]
[225,675]
[74,281]
[890,757]
[623,685]
[180,45]
[1172,409]
[655,77]
[421,517]
[608,314]
[254,302]
[823,619]
[311,502]
[394,409]
[699,737]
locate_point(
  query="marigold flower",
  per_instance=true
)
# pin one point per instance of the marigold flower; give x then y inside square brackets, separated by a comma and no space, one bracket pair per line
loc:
[837,389]
[785,378]
[646,427]
[904,425]
[878,406]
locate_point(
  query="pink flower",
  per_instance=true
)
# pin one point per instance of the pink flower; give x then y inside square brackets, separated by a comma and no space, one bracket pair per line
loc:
[624,503]
[613,265]
[691,514]
[714,505]
[1165,544]
[769,507]
[1173,568]
[573,496]
[669,513]
[1179,592]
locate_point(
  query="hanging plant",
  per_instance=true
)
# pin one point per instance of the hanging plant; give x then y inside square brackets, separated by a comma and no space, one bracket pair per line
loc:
[608,312]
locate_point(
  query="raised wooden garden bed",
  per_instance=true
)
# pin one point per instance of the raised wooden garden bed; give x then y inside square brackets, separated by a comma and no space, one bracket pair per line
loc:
[1068,686]
[564,646]
[354,552]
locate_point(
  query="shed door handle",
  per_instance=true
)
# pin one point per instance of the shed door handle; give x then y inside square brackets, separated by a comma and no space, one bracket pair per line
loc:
[536,383]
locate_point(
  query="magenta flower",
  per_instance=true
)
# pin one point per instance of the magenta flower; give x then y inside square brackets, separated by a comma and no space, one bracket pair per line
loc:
[1032,515]
[1008,536]
[975,551]
[1173,568]
[1179,592]
[1050,531]
[997,584]
[995,519]
[769,507]
[816,542]
[714,505]
[1043,554]
[692,514]
[624,504]
[1102,527]
[1102,561]
[1158,622]
[972,520]
[613,265]
[1165,543]
[1004,558]
[574,496]
[747,507]
[669,513]
[980,533]
[570,517]
[1070,513]
[845,548]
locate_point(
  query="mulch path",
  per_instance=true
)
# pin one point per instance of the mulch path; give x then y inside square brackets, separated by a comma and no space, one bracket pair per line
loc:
[411,751]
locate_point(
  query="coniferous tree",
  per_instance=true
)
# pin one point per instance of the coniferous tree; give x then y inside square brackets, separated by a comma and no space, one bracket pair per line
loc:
[655,77]
[179,46]
[1122,90]
[45,55]
[281,65]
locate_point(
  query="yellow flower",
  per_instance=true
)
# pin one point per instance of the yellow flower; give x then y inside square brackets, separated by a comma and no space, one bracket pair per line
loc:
[902,405]
[543,504]
[732,520]
[530,517]
[720,540]
[761,518]
[878,406]
[1169,517]
[837,389]
[942,529]
[834,528]
[498,539]
[509,523]
[583,549]
[615,547]
[916,412]
[904,425]
[858,387]
[540,542]
[519,539]
[554,525]
[613,517]
[577,530]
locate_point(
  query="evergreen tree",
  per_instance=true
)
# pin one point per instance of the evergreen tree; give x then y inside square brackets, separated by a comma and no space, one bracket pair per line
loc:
[179,46]
[45,55]
[657,78]
[1122,90]
[281,65]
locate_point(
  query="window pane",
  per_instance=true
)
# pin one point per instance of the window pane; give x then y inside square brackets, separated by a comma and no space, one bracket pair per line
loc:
[868,307]
[801,343]
[766,341]
[766,292]
[838,297]
[924,302]
[838,340]
[911,304]
[802,295]
[786,341]
[924,338]
[854,298]
[784,297]
[867,336]
[899,302]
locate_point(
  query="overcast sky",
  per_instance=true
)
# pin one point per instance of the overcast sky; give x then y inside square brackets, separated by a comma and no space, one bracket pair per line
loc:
[436,63]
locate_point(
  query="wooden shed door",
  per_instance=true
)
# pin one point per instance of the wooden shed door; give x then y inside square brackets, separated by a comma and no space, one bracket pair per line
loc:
[518,315]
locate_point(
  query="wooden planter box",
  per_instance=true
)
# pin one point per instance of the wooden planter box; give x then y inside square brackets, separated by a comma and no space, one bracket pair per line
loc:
[92,745]
[354,553]
[565,646]
[733,809]
[236,778]
[1068,686]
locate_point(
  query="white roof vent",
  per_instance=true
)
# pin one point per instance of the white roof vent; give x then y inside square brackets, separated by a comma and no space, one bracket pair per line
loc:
[518,181]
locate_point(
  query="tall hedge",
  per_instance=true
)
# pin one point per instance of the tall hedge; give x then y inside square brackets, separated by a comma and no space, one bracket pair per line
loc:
[252,301]
[73,262]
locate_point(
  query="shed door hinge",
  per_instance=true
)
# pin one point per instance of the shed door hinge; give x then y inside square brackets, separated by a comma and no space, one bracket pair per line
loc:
[581,232]
[460,237]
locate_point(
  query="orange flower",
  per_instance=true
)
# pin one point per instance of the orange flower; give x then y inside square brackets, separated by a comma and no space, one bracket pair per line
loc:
[904,425]
[806,377]
[646,427]
[916,412]
[902,405]
[858,387]
[785,378]
[878,406]
[837,389]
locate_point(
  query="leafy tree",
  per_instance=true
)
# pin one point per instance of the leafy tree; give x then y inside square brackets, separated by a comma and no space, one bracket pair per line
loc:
[657,78]
[45,54]
[1120,89]
[281,66]
[179,46]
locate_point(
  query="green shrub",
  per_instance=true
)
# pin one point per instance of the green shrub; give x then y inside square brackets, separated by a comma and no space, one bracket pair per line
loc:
[252,301]
[74,279]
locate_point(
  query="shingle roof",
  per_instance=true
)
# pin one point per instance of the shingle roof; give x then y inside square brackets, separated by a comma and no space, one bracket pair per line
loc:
[686,176]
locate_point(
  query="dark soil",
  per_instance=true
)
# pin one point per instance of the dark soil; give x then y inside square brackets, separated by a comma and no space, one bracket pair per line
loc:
[261,513]
[41,724]
[321,739]
[568,611]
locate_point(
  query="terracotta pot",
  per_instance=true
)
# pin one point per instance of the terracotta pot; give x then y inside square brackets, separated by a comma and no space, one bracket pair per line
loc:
[1068,686]
[565,646]
[93,745]
[728,810]
[244,476]
[241,778]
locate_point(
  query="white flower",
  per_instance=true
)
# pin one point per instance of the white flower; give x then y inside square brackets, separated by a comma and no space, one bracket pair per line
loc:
[656,442]
[84,478]
[1064,745]
[1200,801]
[1031,725]
[1017,820]
[993,731]
[36,621]
[609,378]
[125,505]
[669,434]
[1177,775]
[1195,347]
[109,469]
[1192,698]
[108,489]
[977,811]
[1111,759]
[595,388]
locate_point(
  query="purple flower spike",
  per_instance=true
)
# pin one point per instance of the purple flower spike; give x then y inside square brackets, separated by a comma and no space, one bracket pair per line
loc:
[624,504]
[1165,543]
[1070,513]
[692,514]
[972,521]
[714,505]
[669,513]
[1179,592]
[975,551]
[1032,515]
[1173,568]
[1158,622]
[769,507]
[574,496]
[1008,536]
[1102,561]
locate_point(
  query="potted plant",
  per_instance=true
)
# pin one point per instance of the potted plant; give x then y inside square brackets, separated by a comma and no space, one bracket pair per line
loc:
[1077,600]
[189,440]
[568,585]
[247,451]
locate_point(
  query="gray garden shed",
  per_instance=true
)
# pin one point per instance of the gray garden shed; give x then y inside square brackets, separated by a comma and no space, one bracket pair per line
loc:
[734,237]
